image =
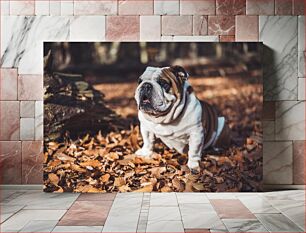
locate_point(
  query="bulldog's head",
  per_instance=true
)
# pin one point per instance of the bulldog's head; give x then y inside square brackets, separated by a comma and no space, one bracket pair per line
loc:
[160,90]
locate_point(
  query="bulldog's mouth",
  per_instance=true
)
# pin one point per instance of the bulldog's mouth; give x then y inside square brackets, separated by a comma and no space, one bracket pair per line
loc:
[145,100]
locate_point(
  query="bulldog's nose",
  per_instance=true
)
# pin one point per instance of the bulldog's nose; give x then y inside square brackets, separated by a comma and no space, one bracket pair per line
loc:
[147,87]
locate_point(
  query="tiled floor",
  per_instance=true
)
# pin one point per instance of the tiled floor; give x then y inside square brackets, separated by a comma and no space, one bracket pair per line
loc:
[34,211]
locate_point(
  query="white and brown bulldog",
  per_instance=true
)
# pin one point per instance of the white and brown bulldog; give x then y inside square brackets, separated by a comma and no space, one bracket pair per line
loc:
[169,110]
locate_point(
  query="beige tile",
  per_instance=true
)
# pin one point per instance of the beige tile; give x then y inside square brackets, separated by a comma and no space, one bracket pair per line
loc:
[27,109]
[247,28]
[203,7]
[277,162]
[150,28]
[290,120]
[95,7]
[135,7]
[8,81]
[22,7]
[167,7]
[9,120]
[200,25]
[268,128]
[30,87]
[301,88]
[87,28]
[122,28]
[27,129]
[176,25]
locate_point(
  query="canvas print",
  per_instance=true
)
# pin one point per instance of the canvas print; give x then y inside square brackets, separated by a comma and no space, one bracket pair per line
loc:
[152,117]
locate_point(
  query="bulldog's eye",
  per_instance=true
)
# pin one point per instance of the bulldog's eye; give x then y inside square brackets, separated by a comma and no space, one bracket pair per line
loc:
[139,80]
[164,85]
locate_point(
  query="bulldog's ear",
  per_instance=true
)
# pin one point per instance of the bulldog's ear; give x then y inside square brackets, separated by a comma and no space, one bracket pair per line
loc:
[179,71]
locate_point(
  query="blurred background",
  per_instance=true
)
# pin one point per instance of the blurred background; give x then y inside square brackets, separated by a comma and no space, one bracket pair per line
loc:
[90,86]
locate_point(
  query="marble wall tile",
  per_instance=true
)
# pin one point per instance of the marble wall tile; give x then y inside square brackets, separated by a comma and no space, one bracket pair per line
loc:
[27,130]
[221,25]
[301,88]
[135,7]
[87,28]
[166,226]
[247,28]
[150,28]
[107,7]
[238,225]
[277,163]
[55,8]
[66,7]
[200,25]
[298,7]
[176,25]
[20,219]
[279,34]
[301,47]
[27,108]
[30,87]
[22,7]
[268,130]
[5,7]
[122,28]
[260,7]
[39,120]
[298,162]
[166,7]
[283,7]
[277,223]
[290,120]
[42,7]
[9,120]
[22,40]
[268,110]
[225,38]
[203,7]
[230,7]
[32,162]
[10,159]
[8,84]
[39,226]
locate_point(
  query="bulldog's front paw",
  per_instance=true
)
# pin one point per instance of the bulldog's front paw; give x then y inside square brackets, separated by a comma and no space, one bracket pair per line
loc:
[193,165]
[144,152]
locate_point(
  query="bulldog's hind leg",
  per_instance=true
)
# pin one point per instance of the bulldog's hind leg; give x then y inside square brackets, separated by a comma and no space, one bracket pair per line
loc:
[148,143]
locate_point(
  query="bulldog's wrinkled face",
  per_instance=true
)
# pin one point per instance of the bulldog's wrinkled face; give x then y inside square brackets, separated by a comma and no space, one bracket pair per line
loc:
[159,88]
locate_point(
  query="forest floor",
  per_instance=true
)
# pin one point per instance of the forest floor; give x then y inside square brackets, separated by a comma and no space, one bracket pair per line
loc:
[108,163]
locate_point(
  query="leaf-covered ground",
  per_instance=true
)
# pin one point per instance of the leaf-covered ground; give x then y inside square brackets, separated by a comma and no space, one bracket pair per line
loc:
[108,164]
